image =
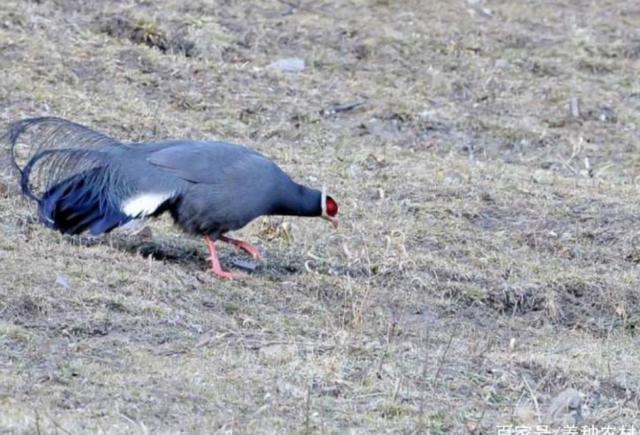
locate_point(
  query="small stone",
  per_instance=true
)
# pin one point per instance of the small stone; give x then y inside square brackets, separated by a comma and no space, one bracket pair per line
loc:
[244,264]
[63,281]
[290,64]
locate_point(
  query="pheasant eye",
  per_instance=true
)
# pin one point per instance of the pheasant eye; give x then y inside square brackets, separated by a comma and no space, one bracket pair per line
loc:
[332,207]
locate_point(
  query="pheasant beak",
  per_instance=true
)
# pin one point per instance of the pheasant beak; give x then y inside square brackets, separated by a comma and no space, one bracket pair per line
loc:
[334,221]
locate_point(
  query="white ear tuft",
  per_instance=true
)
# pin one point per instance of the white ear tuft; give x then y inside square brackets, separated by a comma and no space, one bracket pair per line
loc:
[323,201]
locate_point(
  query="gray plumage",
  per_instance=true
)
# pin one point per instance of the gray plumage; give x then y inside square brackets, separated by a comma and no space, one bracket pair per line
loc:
[86,181]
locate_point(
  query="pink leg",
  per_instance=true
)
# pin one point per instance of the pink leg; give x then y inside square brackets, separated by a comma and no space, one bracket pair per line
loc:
[246,247]
[215,262]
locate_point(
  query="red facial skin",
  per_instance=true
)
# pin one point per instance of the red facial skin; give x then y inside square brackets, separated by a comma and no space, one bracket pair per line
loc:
[330,211]
[332,207]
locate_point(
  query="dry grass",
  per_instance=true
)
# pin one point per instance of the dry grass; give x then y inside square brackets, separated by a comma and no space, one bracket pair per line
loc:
[488,258]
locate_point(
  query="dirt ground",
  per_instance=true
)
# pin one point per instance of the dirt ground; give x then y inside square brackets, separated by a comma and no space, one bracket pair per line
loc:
[486,273]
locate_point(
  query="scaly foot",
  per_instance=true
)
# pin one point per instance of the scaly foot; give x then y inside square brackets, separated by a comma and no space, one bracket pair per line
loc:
[216,268]
[246,247]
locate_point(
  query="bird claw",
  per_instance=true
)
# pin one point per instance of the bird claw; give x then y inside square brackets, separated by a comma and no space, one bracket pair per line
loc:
[215,262]
[255,255]
[244,246]
[219,272]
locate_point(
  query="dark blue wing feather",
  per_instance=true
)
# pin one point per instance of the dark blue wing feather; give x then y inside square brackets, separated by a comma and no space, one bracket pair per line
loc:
[70,170]
[78,204]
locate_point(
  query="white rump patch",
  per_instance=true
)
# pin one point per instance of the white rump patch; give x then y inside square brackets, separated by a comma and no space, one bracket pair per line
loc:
[144,204]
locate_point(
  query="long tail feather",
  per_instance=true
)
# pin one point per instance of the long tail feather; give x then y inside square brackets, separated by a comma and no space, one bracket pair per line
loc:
[51,149]
[71,171]
[45,133]
[77,204]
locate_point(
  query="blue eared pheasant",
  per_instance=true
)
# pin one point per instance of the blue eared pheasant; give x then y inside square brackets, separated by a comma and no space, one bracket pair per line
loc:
[85,181]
